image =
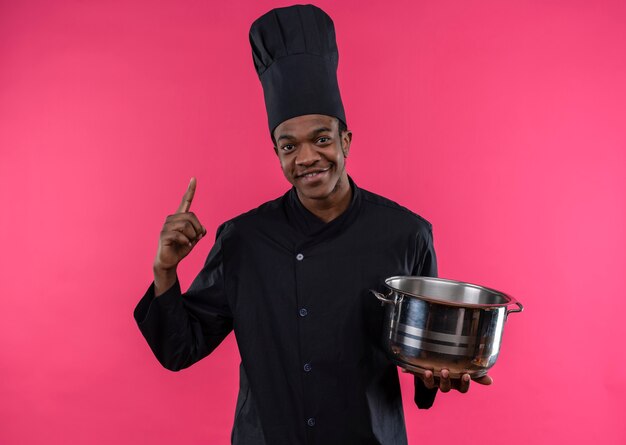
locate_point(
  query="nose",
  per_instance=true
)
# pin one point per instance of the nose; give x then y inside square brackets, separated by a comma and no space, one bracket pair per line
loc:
[307,155]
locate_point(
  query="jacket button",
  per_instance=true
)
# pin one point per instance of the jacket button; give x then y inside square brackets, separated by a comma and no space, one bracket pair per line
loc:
[303,312]
[307,367]
[299,257]
[311,421]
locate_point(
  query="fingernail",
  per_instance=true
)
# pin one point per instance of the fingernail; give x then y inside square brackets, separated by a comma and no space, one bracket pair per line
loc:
[466,378]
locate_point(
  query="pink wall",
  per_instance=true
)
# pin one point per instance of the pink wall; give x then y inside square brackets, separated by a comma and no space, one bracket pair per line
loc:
[500,122]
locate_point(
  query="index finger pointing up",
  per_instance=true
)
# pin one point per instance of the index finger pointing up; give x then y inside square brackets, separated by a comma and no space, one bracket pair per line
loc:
[187,197]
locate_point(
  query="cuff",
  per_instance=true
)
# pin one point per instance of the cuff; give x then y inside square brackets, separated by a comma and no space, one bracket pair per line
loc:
[424,397]
[168,299]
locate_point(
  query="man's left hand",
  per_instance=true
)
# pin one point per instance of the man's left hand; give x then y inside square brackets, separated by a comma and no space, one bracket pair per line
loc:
[445,383]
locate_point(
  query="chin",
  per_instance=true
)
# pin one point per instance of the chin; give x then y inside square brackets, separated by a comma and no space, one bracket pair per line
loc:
[313,192]
[321,191]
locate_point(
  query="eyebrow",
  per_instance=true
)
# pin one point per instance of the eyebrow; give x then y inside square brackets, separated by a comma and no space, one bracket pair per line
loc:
[320,130]
[311,135]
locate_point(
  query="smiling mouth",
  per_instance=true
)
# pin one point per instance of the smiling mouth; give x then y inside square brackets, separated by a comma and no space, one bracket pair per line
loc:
[313,174]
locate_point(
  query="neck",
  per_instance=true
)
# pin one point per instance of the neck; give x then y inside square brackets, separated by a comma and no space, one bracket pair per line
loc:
[332,206]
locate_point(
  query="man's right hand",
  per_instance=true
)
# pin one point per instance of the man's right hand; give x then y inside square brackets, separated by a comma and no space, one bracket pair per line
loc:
[181,232]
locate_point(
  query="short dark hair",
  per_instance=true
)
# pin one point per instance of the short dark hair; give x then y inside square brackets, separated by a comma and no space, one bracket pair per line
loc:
[341,127]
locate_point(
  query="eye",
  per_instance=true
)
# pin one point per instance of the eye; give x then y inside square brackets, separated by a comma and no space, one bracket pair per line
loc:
[288,147]
[323,140]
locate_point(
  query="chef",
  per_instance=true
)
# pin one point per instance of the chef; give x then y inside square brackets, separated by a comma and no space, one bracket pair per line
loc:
[291,277]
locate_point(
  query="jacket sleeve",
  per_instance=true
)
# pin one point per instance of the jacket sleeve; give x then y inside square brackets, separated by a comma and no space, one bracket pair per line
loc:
[427,267]
[183,329]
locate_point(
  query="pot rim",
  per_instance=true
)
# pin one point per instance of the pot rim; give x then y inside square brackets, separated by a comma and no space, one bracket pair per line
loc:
[510,299]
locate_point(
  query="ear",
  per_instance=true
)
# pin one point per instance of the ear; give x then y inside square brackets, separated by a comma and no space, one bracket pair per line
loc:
[346,140]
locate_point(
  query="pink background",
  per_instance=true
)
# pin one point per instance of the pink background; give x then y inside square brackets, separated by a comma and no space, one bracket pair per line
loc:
[500,122]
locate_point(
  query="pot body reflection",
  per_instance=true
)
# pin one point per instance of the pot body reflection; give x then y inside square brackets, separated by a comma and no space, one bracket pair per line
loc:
[432,324]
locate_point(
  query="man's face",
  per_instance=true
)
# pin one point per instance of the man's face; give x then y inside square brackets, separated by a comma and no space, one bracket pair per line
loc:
[312,155]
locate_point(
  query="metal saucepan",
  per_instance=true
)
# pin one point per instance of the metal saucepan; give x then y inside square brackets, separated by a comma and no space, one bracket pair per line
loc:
[432,323]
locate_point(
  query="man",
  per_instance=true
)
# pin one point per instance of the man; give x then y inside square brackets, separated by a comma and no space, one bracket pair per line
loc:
[292,276]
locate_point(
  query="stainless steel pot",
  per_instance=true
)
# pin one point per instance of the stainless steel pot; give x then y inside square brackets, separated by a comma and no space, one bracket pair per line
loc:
[432,323]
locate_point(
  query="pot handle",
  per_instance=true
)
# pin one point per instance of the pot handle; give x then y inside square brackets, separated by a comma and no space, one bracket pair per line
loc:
[520,307]
[383,298]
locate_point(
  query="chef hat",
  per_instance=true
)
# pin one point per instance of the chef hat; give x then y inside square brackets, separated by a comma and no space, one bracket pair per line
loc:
[295,55]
